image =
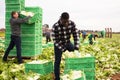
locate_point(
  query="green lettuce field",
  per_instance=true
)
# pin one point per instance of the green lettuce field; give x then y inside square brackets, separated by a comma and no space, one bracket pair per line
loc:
[105,50]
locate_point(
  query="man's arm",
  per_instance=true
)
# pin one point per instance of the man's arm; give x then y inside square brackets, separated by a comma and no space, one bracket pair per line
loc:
[55,36]
[75,36]
[19,20]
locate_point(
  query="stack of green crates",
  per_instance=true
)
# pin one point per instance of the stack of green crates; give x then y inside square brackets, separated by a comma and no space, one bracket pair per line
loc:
[31,32]
[86,64]
[43,68]
[11,5]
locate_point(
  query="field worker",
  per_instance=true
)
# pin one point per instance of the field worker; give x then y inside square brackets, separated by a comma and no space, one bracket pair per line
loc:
[83,35]
[47,34]
[62,31]
[15,23]
[90,36]
[94,36]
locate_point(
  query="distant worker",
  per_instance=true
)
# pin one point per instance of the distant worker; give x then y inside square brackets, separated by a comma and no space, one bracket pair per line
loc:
[83,35]
[110,32]
[47,34]
[15,23]
[101,34]
[90,36]
[94,36]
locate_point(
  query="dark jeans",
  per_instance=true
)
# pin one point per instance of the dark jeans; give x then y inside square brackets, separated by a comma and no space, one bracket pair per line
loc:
[90,42]
[58,55]
[48,39]
[84,37]
[15,41]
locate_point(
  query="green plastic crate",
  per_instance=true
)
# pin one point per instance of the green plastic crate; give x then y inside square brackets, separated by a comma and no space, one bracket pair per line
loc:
[30,38]
[44,45]
[79,63]
[14,1]
[86,63]
[13,5]
[14,8]
[30,29]
[8,37]
[89,73]
[90,78]
[8,28]
[79,66]
[30,26]
[34,9]
[28,47]
[33,19]
[80,60]
[31,42]
[31,32]
[44,68]
[8,14]
[7,19]
[26,53]
[7,32]
[7,23]
[50,44]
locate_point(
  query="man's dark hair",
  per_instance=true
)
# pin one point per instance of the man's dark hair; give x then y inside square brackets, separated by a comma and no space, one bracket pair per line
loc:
[13,12]
[64,15]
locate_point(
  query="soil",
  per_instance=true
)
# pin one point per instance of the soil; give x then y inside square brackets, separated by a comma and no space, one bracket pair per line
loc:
[116,77]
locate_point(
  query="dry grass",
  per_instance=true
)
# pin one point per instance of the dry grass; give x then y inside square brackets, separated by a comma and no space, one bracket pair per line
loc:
[2,34]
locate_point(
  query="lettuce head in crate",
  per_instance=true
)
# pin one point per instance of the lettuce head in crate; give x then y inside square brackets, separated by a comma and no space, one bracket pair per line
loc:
[33,19]
[74,75]
[31,14]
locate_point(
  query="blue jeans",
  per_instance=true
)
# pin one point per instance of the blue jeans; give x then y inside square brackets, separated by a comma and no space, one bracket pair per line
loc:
[15,41]
[58,55]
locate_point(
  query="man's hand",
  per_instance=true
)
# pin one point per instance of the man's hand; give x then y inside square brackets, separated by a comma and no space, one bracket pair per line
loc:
[63,50]
[30,14]
[75,48]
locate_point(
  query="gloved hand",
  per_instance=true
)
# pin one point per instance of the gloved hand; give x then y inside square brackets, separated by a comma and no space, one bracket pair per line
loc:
[75,48]
[63,50]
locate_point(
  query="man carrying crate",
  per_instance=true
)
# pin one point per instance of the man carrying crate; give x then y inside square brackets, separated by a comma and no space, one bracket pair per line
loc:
[62,31]
[15,23]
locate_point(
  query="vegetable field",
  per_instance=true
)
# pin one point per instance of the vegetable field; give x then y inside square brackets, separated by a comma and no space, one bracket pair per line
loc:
[107,61]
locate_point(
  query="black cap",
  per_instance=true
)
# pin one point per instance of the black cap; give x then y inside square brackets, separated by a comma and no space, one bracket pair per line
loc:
[64,15]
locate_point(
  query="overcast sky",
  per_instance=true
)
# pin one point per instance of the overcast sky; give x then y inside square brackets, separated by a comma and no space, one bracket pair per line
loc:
[87,14]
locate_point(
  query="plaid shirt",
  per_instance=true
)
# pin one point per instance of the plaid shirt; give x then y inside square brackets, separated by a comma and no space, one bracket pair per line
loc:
[61,35]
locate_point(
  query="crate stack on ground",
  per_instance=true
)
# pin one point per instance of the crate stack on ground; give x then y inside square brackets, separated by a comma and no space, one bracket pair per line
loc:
[31,32]
[86,64]
[39,67]
[11,5]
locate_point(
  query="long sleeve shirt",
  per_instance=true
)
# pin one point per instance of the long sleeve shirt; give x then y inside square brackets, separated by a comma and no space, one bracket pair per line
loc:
[15,25]
[61,35]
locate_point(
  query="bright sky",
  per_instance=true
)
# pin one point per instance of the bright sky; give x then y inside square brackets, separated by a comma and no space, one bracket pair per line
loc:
[87,14]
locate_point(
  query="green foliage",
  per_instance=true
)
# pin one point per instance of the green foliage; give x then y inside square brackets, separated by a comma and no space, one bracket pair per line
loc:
[47,53]
[106,52]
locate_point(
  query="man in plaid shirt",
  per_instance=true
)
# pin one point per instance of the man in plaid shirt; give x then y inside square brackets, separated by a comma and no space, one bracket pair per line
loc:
[61,33]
